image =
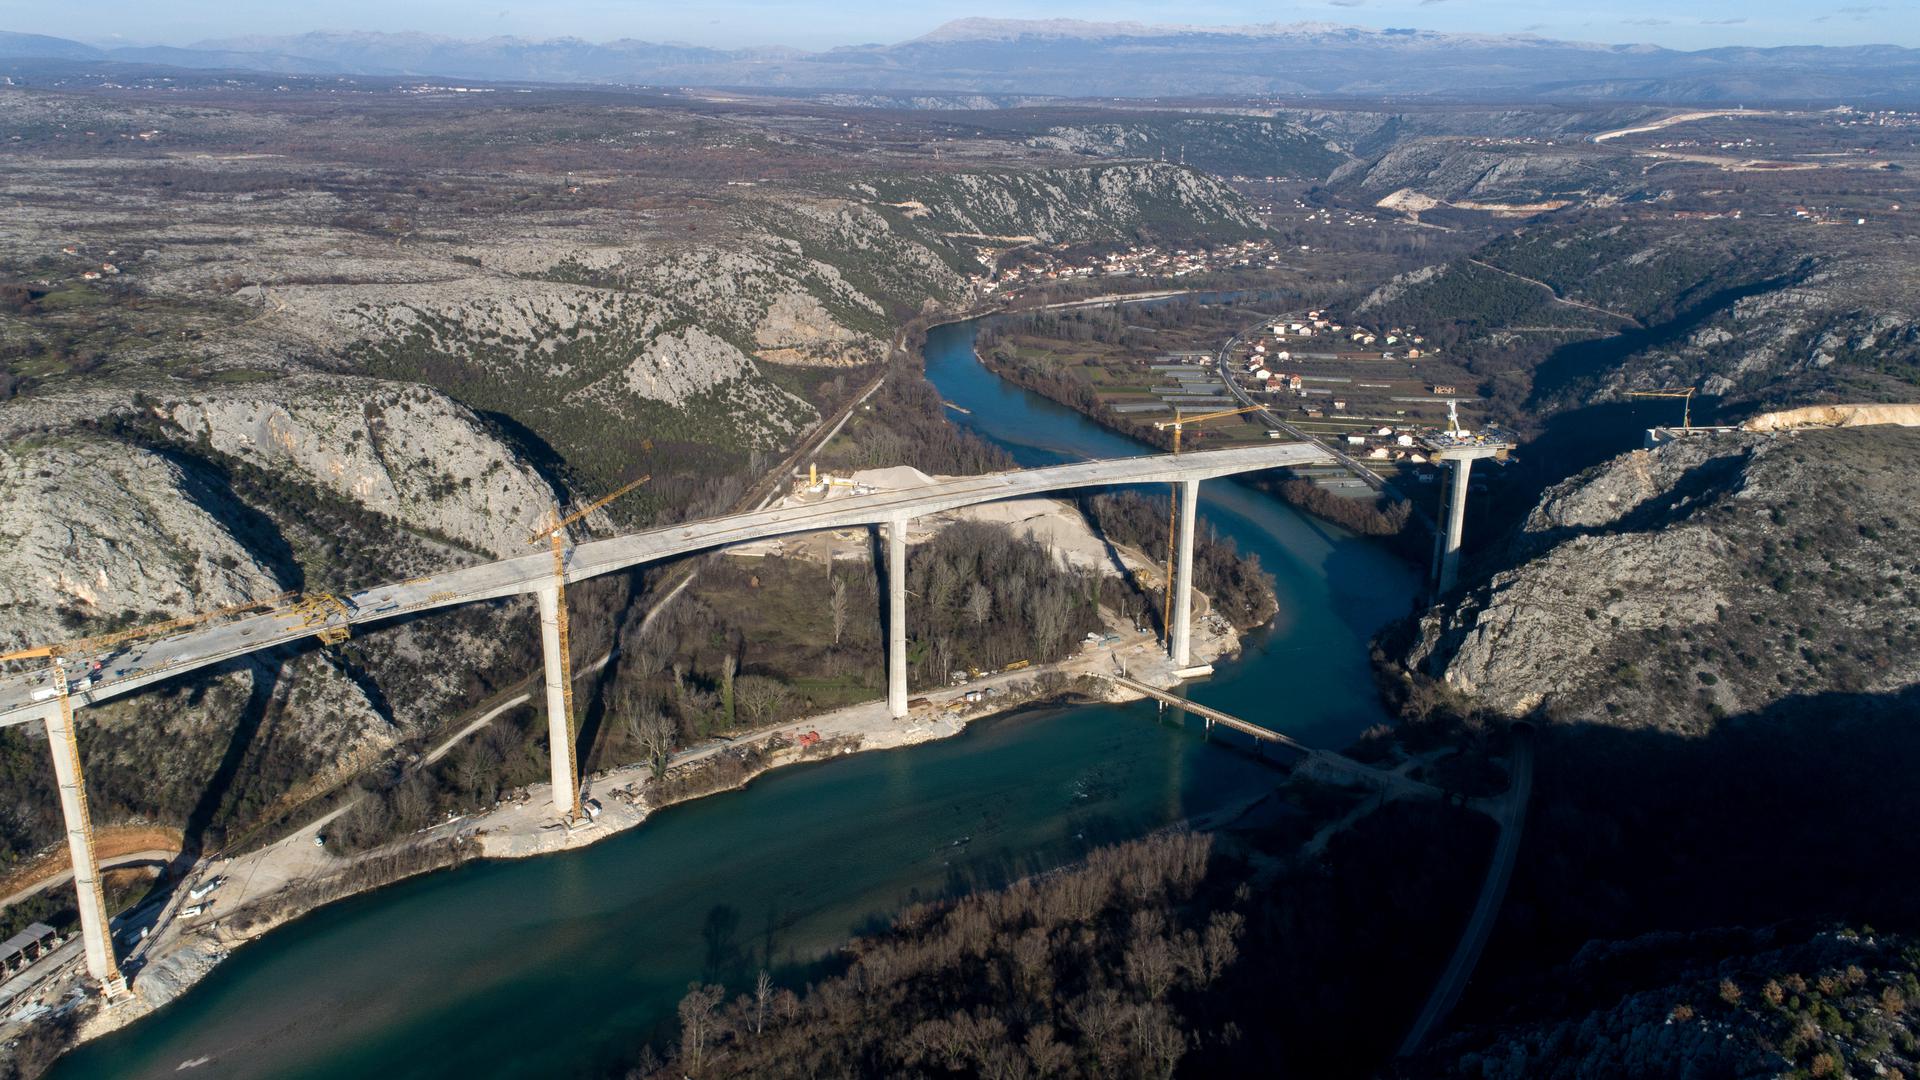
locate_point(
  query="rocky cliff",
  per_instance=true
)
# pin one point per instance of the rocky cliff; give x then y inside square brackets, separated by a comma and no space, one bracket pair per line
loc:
[1710,577]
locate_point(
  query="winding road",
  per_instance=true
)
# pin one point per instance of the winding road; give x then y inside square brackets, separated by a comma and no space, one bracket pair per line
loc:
[1512,814]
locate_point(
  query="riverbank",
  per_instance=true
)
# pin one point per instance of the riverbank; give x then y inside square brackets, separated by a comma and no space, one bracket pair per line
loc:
[268,888]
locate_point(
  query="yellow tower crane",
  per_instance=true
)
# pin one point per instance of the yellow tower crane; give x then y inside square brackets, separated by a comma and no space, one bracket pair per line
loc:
[102,642]
[1685,395]
[556,534]
[1179,422]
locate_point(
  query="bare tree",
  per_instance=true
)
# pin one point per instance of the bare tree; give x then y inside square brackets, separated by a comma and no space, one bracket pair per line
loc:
[980,603]
[1222,943]
[838,605]
[762,1001]
[653,733]
[1049,1056]
[1051,615]
[410,803]
[727,667]
[697,1024]
[473,768]
[760,697]
[945,579]
[1151,966]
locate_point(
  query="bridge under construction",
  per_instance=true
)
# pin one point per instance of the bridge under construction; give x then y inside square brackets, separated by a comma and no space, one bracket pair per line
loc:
[90,672]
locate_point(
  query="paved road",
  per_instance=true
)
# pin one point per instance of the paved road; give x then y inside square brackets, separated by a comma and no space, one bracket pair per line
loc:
[1555,293]
[161,658]
[1224,362]
[152,857]
[1473,939]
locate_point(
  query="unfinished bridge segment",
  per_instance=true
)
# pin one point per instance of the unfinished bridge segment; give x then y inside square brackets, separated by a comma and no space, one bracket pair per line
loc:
[51,695]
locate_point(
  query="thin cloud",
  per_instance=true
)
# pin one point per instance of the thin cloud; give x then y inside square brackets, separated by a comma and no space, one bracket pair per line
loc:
[1721,22]
[1648,22]
[1346,3]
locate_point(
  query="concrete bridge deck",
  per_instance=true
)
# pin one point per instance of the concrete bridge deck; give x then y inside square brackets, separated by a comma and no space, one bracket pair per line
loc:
[53,695]
[142,663]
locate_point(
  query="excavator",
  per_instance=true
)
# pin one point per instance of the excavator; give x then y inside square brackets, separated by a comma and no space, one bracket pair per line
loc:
[1179,423]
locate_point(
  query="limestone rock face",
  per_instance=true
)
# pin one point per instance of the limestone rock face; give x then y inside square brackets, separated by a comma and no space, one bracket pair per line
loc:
[1708,578]
[408,452]
[109,530]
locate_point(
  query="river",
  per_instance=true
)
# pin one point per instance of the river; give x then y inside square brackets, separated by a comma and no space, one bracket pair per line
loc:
[562,965]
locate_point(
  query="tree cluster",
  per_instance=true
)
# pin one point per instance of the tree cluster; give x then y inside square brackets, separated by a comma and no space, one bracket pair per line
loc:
[1090,971]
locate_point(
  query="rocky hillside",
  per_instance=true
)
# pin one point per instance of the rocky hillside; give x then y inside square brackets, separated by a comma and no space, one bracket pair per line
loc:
[1708,578]
[1728,1003]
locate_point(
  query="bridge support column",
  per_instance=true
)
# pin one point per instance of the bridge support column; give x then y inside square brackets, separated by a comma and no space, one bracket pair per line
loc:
[1183,577]
[95,933]
[559,725]
[1447,545]
[897,617]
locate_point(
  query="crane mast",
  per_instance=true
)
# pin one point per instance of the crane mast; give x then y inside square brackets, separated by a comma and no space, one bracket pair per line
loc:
[1179,423]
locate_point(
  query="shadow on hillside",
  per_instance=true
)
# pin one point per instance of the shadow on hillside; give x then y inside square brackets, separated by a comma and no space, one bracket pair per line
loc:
[1801,811]
[1654,513]
[265,667]
[1579,361]
[209,486]
[530,447]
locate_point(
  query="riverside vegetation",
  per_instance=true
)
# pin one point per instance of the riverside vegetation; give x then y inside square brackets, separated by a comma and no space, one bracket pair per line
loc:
[1168,955]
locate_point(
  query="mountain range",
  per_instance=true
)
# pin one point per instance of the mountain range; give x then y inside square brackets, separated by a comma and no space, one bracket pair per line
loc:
[1080,59]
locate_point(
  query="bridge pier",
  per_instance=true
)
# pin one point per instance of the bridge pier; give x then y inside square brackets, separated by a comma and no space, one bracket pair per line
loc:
[897,617]
[95,932]
[1183,577]
[566,798]
[1446,542]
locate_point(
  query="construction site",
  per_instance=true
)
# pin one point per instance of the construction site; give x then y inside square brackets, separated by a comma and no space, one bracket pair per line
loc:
[828,517]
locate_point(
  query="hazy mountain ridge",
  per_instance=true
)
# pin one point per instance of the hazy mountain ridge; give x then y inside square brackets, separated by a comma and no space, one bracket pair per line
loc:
[1073,58]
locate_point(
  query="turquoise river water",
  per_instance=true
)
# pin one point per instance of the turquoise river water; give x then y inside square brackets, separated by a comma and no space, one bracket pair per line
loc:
[563,965]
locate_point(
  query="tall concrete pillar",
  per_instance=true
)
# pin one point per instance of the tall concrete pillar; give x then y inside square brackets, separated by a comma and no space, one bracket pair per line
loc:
[95,933]
[897,617]
[1183,577]
[559,726]
[1456,523]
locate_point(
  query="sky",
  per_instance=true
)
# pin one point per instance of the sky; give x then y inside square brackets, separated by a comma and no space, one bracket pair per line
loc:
[818,24]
